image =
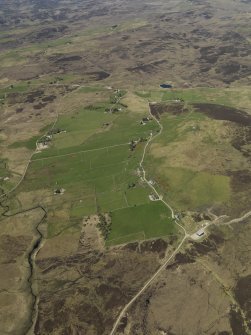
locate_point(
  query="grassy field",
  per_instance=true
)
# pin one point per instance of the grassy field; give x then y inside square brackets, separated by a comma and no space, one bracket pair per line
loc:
[147,221]
[234,96]
[31,142]
[193,190]
[191,164]
[174,162]
[69,57]
[89,129]
[93,163]
[16,88]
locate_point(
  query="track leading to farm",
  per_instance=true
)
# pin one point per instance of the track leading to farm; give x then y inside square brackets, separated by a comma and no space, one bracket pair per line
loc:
[186,235]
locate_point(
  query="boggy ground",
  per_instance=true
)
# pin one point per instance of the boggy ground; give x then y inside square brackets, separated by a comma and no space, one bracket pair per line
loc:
[18,237]
[49,49]
[205,290]
[82,286]
[184,42]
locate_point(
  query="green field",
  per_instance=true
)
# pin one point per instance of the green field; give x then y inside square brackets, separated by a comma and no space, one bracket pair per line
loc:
[92,161]
[31,142]
[235,97]
[189,189]
[186,188]
[95,167]
[85,130]
[147,221]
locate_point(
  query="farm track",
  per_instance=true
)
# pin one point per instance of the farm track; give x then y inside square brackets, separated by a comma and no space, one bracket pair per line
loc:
[40,238]
[186,235]
[30,160]
[80,152]
[38,243]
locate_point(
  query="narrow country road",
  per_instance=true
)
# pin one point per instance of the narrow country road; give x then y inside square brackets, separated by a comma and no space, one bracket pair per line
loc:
[147,284]
[186,235]
[33,153]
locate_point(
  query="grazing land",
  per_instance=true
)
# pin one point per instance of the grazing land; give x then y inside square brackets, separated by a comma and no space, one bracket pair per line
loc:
[152,220]
[125,170]
[196,158]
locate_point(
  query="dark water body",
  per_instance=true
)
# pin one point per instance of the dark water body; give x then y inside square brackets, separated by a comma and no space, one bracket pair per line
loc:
[166,86]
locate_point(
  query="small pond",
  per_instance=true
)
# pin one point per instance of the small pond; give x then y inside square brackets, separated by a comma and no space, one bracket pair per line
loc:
[166,86]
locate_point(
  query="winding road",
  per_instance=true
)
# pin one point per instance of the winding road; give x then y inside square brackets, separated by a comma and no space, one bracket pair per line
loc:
[143,172]
[31,156]
[186,235]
